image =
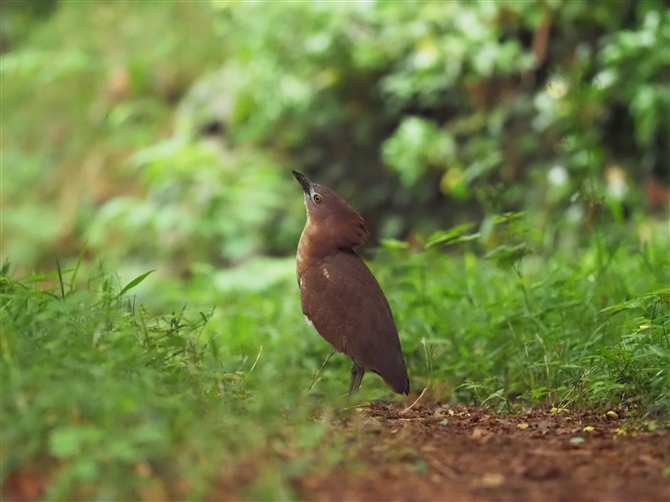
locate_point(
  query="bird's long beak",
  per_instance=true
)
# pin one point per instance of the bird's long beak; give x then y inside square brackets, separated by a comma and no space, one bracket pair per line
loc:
[306,184]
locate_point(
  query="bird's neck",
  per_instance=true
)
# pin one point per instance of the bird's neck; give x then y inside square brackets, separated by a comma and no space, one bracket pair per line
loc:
[320,241]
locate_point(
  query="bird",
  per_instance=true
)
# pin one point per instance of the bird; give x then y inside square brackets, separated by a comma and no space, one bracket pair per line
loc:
[338,293]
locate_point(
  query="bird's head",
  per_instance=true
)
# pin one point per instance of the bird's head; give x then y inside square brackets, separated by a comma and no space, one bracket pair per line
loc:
[329,218]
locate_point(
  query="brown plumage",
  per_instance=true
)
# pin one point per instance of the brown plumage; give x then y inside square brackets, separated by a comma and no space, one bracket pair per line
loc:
[339,294]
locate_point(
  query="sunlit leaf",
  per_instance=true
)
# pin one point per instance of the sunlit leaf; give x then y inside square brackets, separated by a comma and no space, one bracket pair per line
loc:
[137,280]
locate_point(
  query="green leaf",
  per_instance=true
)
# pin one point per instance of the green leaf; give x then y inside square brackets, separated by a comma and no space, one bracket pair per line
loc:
[394,244]
[76,267]
[453,235]
[505,217]
[60,278]
[660,295]
[635,303]
[137,280]
[507,256]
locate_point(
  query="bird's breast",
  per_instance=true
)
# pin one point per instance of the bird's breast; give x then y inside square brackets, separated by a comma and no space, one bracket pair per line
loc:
[300,256]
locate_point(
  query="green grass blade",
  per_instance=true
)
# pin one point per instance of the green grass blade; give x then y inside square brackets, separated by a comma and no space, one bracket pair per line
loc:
[137,280]
[60,279]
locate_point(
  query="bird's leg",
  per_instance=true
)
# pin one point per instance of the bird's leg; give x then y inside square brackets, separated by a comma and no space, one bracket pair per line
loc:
[357,372]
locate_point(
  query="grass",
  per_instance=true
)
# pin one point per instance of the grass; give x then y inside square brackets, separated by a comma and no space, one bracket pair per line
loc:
[570,328]
[110,401]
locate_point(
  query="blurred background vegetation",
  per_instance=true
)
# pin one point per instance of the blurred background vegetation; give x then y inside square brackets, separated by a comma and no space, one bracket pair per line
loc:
[162,135]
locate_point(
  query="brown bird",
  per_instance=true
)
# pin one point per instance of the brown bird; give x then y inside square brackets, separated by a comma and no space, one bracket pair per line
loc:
[339,294]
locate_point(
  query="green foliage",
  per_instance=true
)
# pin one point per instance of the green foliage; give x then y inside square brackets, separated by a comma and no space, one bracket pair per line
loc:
[535,327]
[416,145]
[186,220]
[629,56]
[480,99]
[81,91]
[113,401]
[167,136]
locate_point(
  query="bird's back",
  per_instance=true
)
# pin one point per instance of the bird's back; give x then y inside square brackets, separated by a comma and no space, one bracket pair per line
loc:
[344,301]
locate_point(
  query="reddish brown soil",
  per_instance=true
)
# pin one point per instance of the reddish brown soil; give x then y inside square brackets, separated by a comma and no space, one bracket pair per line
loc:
[446,453]
[467,454]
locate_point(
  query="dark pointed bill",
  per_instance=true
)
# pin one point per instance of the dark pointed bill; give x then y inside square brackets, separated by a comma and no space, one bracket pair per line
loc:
[306,184]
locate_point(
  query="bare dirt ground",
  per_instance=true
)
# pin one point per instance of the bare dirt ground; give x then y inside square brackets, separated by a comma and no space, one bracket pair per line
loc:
[468,454]
[461,453]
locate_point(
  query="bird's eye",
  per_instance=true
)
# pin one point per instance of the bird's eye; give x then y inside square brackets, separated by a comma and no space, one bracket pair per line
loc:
[317,198]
